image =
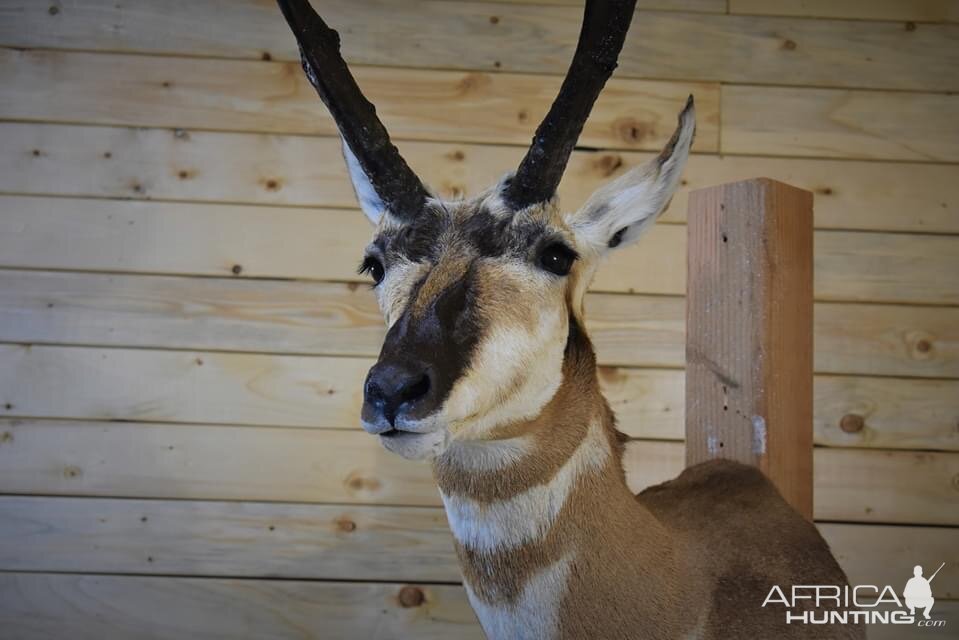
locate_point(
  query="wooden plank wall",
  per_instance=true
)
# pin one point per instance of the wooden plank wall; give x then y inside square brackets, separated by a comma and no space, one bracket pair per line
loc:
[182,335]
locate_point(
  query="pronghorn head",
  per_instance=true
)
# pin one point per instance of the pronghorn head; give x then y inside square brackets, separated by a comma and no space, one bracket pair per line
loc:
[481,295]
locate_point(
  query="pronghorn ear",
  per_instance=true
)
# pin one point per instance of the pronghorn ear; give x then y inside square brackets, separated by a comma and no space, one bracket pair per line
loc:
[370,201]
[618,213]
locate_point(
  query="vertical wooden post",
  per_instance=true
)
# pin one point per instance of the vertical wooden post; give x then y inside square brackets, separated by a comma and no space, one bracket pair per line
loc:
[749,331]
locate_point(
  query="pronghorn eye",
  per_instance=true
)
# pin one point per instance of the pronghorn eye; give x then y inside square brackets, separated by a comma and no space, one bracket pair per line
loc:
[557,258]
[373,267]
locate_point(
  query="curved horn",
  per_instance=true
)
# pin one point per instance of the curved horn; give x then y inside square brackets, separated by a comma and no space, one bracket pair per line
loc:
[392,179]
[605,23]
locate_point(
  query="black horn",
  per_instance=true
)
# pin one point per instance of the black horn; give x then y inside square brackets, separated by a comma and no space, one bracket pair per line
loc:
[394,181]
[605,23]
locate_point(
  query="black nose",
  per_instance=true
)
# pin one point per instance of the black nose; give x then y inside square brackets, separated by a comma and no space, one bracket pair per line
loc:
[390,389]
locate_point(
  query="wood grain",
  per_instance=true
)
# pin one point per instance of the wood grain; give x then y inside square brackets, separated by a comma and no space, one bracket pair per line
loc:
[85,607]
[749,332]
[522,37]
[342,319]
[160,164]
[325,244]
[295,391]
[147,460]
[914,10]
[705,6]
[840,124]
[230,539]
[276,97]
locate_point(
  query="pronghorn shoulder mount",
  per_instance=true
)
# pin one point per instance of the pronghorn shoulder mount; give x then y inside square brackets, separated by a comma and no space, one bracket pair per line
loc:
[487,372]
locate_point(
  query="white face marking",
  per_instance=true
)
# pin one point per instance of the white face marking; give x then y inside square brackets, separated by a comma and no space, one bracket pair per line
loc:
[476,405]
[535,614]
[529,515]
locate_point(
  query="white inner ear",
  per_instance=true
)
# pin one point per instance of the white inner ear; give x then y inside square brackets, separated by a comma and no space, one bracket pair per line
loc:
[620,211]
[370,201]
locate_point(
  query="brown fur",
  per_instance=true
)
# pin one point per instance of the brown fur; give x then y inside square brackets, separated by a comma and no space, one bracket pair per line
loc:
[693,557]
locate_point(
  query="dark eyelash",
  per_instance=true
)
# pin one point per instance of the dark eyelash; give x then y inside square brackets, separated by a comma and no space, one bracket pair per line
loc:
[365,265]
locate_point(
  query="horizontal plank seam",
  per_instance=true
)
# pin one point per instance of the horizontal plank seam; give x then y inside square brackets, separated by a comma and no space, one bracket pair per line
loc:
[353,356]
[559,73]
[478,143]
[260,578]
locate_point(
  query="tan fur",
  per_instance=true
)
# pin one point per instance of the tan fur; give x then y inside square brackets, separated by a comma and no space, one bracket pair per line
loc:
[524,448]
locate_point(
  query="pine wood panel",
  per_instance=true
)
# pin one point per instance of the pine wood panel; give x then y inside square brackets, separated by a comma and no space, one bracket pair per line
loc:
[317,318]
[51,606]
[324,392]
[45,606]
[705,6]
[832,124]
[517,37]
[230,167]
[916,10]
[325,244]
[276,97]
[114,459]
[231,539]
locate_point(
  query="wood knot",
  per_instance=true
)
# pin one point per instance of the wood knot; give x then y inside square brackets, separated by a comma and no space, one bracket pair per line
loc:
[494,19]
[456,155]
[357,482]
[8,406]
[271,184]
[237,269]
[852,423]
[411,596]
[497,64]
[107,155]
[185,174]
[632,131]
[471,82]
[523,115]
[345,524]
[608,163]
[166,84]
[72,472]
[789,45]
[53,10]
[910,26]
[923,345]
[266,55]
[6,437]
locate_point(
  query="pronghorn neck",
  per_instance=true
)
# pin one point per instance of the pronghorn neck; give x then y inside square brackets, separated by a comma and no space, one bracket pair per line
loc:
[544,510]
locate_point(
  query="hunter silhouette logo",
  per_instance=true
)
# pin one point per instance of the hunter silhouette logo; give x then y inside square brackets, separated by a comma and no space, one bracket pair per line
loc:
[918,593]
[864,603]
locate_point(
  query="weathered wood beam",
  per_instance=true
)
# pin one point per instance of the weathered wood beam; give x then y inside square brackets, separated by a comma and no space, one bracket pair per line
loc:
[749,331]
